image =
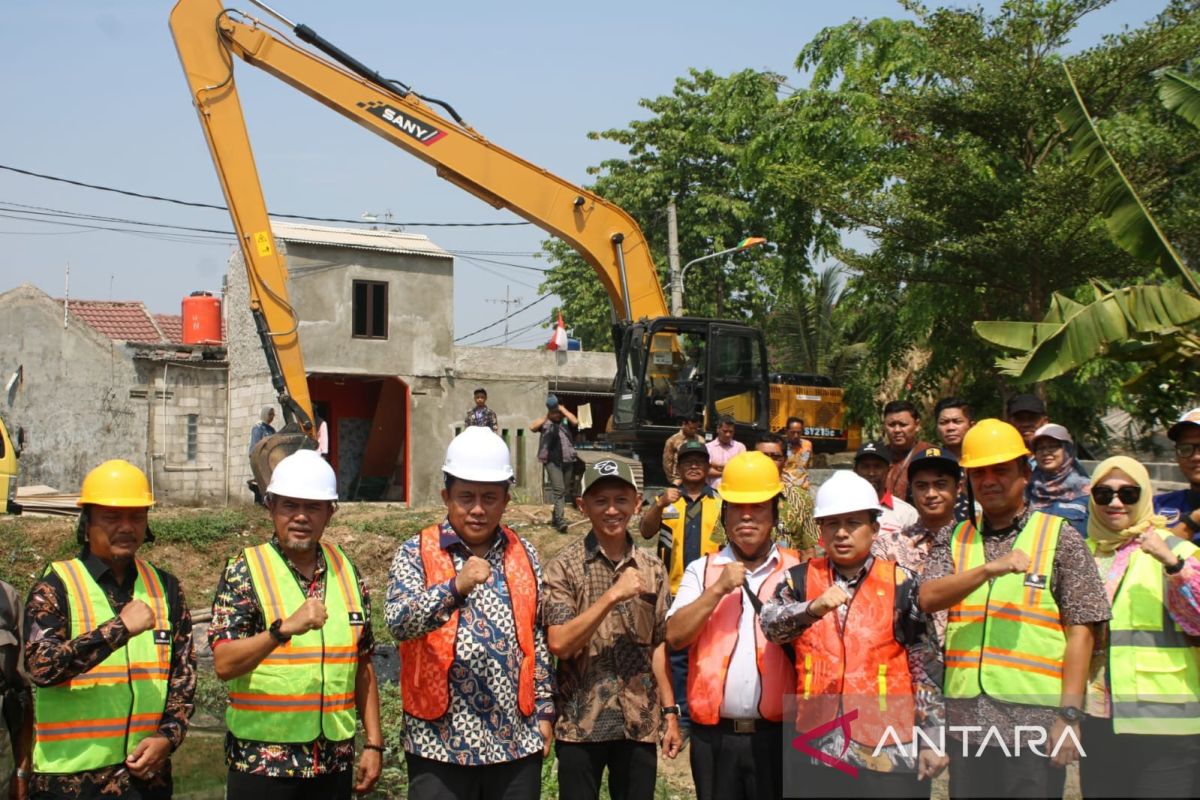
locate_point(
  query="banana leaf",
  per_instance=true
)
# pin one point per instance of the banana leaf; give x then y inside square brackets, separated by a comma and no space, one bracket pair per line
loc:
[1129,222]
[1181,95]
[1048,350]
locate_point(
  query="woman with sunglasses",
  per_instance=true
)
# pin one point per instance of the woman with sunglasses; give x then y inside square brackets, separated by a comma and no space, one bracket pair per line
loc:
[1143,702]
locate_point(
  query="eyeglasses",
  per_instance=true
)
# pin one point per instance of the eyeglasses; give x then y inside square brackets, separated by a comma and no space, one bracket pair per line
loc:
[1187,450]
[1052,446]
[775,456]
[1103,495]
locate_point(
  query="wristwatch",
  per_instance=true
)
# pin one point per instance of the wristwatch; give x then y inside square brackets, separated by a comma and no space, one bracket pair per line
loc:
[23,774]
[277,633]
[1190,523]
[670,710]
[1071,714]
[1176,568]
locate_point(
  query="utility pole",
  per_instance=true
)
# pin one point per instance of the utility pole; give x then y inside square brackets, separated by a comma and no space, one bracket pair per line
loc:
[507,301]
[673,260]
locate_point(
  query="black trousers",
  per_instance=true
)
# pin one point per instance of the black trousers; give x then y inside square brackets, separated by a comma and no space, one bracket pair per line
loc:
[993,774]
[818,780]
[737,766]
[632,769]
[1136,765]
[508,780]
[337,786]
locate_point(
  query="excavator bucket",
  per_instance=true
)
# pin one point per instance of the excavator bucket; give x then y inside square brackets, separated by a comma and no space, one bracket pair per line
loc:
[270,450]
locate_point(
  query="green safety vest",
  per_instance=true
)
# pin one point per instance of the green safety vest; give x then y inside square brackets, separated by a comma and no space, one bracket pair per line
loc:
[1153,666]
[1005,639]
[305,688]
[97,718]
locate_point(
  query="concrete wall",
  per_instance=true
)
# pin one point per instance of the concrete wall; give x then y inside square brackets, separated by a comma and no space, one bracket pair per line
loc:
[85,399]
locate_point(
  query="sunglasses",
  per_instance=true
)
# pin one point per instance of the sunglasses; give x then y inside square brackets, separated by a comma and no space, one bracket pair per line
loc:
[1103,495]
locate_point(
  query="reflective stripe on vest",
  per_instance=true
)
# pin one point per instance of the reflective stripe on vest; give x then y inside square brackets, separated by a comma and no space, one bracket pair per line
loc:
[1005,639]
[857,665]
[425,661]
[303,689]
[1153,666]
[97,718]
[671,544]
[710,654]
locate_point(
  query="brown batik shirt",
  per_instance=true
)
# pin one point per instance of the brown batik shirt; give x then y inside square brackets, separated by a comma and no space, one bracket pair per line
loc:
[607,691]
[53,657]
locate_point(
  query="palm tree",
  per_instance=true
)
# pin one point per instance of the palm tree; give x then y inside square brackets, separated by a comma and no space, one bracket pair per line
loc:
[815,329]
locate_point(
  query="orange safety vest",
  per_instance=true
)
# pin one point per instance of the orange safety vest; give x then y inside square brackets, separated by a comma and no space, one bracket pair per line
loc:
[425,661]
[710,654]
[865,671]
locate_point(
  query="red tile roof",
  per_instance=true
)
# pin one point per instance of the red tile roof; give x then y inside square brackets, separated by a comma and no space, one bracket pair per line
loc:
[171,326]
[127,321]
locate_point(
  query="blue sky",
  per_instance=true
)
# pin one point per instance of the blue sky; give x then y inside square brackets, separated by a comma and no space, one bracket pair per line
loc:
[94,92]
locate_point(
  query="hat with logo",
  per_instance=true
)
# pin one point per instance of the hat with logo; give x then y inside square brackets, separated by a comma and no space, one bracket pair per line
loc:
[692,448]
[875,449]
[934,457]
[608,468]
[1026,402]
[1190,418]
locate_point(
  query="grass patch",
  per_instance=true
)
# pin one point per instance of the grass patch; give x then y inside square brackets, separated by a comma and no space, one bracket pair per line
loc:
[198,767]
[395,526]
[200,530]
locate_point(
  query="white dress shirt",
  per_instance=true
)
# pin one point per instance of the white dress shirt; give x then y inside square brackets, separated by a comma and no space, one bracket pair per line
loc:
[742,686]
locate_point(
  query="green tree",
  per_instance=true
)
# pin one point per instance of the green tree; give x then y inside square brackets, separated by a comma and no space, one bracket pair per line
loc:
[692,148]
[937,139]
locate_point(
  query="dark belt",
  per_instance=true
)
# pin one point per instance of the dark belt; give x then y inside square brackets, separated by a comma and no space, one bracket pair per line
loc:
[744,725]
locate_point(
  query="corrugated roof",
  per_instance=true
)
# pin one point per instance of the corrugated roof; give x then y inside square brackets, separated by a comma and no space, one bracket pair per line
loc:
[384,241]
[119,320]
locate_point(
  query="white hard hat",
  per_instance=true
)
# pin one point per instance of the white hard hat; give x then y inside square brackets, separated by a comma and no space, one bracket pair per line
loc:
[304,475]
[478,454]
[845,492]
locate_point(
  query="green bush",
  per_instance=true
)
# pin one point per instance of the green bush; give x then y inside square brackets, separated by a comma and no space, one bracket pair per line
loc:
[200,530]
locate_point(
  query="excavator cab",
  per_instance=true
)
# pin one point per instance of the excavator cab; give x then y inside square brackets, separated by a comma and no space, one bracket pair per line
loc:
[673,367]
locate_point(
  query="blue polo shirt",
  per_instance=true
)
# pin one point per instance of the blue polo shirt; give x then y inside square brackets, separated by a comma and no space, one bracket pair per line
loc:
[1175,505]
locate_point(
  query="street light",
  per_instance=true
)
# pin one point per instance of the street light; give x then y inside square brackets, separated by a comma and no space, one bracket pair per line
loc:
[744,244]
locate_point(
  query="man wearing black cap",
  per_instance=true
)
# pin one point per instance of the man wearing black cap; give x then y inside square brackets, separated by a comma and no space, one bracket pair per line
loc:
[1027,413]
[605,614]
[1182,507]
[872,462]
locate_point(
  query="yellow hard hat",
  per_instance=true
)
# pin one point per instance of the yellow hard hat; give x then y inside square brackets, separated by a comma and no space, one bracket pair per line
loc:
[116,483]
[750,478]
[991,441]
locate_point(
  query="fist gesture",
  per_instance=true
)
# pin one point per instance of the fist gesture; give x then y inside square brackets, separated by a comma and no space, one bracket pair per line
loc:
[474,572]
[1153,544]
[669,497]
[137,616]
[1016,560]
[833,597]
[628,585]
[310,616]
[732,578]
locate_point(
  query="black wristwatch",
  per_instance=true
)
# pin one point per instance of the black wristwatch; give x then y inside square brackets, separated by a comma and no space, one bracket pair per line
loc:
[276,631]
[1175,568]
[1190,523]
[670,710]
[1071,714]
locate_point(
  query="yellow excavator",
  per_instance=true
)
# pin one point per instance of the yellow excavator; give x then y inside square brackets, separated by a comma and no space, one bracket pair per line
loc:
[667,367]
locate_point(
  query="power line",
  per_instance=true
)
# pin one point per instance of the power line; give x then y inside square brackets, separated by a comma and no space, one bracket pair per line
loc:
[194,204]
[502,319]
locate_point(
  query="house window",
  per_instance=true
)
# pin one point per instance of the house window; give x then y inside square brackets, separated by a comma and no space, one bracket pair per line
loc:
[193,423]
[370,310]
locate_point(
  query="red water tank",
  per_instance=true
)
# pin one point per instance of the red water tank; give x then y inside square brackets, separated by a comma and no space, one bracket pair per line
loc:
[201,319]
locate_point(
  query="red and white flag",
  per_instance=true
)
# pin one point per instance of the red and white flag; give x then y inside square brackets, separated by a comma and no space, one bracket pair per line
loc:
[558,339]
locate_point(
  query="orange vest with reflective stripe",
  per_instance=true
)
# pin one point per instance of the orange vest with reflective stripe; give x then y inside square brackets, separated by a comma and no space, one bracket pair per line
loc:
[303,689]
[97,718]
[1005,639]
[857,665]
[710,654]
[425,661]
